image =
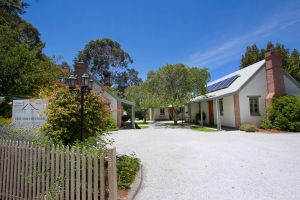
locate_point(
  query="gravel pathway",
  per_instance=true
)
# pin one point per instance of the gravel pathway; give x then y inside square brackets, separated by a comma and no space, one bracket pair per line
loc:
[181,164]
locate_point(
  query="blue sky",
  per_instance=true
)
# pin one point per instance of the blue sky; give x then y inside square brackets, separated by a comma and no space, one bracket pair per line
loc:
[210,33]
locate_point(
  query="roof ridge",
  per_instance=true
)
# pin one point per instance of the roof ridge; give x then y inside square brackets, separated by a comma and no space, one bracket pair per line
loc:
[233,73]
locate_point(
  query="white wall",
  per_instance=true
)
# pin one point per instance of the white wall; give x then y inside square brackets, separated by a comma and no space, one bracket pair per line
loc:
[290,87]
[255,87]
[113,105]
[194,110]
[228,118]
[157,115]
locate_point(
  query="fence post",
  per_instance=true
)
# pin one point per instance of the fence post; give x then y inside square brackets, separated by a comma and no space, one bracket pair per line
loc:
[112,174]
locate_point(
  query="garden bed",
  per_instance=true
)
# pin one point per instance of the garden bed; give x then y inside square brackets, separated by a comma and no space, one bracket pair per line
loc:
[129,176]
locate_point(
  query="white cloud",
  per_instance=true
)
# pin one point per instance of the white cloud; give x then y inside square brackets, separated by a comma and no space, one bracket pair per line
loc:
[232,49]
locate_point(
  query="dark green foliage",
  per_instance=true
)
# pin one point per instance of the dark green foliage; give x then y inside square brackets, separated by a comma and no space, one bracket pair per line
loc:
[125,118]
[295,126]
[198,116]
[23,66]
[248,127]
[125,79]
[139,114]
[266,124]
[12,7]
[111,124]
[127,167]
[284,114]
[290,61]
[252,55]
[109,62]
[6,108]
[294,65]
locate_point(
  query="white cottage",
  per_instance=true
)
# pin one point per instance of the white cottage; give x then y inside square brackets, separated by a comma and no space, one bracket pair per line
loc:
[242,96]
[115,102]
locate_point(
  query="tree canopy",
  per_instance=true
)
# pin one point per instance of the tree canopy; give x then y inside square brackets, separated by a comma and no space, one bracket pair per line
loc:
[143,97]
[126,79]
[175,85]
[290,61]
[108,61]
[24,68]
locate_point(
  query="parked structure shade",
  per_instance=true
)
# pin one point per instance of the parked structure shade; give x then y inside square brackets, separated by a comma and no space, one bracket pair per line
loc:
[222,84]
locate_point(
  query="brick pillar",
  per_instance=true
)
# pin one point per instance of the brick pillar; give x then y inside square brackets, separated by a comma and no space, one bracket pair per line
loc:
[237,114]
[80,68]
[119,114]
[274,76]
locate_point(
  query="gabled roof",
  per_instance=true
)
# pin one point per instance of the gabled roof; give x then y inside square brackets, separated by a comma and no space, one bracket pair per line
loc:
[112,94]
[244,74]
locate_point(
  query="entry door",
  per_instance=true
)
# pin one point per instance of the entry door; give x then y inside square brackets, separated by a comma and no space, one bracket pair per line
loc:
[211,112]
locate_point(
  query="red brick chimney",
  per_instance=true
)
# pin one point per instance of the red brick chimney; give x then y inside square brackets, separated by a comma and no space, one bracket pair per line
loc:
[80,68]
[274,75]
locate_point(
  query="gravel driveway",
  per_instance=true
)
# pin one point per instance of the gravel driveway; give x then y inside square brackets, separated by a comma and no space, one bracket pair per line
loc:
[185,164]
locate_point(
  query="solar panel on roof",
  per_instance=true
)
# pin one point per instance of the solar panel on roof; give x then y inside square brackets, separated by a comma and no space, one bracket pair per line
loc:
[222,84]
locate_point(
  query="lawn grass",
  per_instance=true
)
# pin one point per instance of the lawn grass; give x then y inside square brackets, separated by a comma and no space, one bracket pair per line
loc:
[204,129]
[142,126]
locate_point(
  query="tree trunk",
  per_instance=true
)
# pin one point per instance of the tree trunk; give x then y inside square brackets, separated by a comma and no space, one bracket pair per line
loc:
[145,116]
[175,116]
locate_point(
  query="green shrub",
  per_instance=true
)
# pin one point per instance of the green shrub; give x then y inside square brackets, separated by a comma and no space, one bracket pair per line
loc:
[266,124]
[63,116]
[284,114]
[111,124]
[281,123]
[295,126]
[4,120]
[128,166]
[248,127]
[6,108]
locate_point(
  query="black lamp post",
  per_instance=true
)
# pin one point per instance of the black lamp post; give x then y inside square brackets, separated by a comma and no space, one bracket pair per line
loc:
[86,86]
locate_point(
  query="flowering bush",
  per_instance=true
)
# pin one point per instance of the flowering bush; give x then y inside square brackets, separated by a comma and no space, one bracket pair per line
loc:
[63,112]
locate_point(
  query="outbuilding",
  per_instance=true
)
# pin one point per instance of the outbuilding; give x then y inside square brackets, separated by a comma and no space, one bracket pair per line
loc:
[115,103]
[242,96]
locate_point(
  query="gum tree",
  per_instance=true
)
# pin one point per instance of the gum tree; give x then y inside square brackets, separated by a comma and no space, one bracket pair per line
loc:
[175,85]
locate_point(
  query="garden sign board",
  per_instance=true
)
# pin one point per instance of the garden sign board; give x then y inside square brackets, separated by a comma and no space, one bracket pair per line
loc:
[28,112]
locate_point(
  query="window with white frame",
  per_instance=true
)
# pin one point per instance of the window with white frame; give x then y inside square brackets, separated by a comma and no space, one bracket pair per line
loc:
[254,106]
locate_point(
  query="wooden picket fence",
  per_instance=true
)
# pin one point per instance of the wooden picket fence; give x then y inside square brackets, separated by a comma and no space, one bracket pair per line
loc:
[31,172]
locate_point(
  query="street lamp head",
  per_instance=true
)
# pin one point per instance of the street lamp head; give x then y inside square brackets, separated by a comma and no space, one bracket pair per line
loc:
[85,80]
[91,83]
[71,81]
